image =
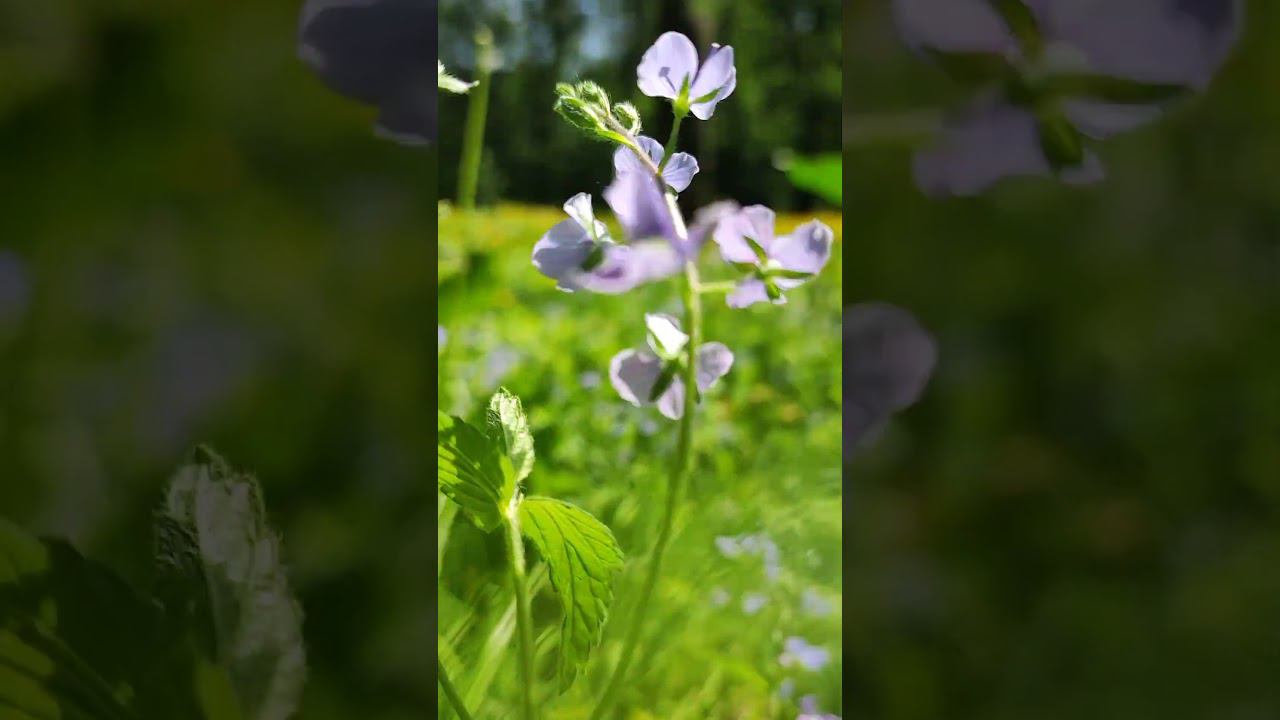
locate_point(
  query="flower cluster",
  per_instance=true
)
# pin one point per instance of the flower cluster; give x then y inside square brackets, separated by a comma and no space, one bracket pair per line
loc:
[581,254]
[1053,75]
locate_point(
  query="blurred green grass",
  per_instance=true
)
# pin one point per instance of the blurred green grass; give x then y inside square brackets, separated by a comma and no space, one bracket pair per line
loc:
[767,460]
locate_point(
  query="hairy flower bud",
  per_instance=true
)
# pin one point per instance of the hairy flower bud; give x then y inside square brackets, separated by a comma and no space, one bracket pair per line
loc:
[628,116]
[594,95]
[579,114]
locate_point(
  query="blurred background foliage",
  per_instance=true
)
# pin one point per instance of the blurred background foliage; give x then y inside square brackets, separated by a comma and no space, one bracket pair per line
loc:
[768,435]
[790,51]
[1082,517]
[199,242]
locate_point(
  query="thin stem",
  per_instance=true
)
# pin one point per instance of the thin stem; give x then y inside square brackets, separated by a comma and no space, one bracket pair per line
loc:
[477,110]
[524,620]
[670,149]
[451,692]
[717,287]
[679,472]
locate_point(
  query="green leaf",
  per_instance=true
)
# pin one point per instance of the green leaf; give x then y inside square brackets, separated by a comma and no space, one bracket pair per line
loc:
[509,427]
[1061,142]
[1022,23]
[583,559]
[821,175]
[77,642]
[221,562]
[1112,89]
[757,248]
[469,471]
[665,378]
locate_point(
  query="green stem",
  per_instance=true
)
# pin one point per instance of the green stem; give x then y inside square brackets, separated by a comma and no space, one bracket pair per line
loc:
[672,141]
[477,110]
[717,287]
[675,487]
[451,692]
[524,620]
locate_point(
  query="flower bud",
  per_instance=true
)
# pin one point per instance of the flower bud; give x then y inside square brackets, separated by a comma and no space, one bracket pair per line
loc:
[594,95]
[579,114]
[565,90]
[628,116]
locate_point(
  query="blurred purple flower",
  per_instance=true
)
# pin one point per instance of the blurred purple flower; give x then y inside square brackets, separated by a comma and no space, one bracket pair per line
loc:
[641,208]
[797,651]
[809,710]
[774,264]
[655,376]
[719,597]
[753,602]
[813,603]
[442,337]
[15,288]
[380,52]
[1065,71]
[787,688]
[888,359]
[756,544]
[669,69]
[678,173]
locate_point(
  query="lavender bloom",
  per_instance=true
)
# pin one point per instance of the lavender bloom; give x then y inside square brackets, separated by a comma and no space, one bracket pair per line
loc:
[813,603]
[774,263]
[378,52]
[442,337]
[645,377]
[888,359]
[677,174]
[1065,71]
[579,255]
[669,69]
[796,651]
[753,602]
[719,597]
[809,710]
[641,207]
[787,688]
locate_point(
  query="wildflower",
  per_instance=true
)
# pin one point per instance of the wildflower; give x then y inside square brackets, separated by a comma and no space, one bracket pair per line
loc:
[655,376]
[678,172]
[773,264]
[377,52]
[589,380]
[796,651]
[813,603]
[670,69]
[809,710]
[786,689]
[579,255]
[1058,73]
[719,597]
[442,337]
[752,602]
[888,359]
[642,210]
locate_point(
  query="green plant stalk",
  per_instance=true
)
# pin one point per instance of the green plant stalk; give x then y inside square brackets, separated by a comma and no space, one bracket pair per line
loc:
[451,692]
[683,458]
[524,619]
[672,141]
[473,136]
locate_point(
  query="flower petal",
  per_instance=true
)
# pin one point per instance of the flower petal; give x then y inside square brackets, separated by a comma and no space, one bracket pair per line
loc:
[755,222]
[714,361]
[957,26]
[625,160]
[680,170]
[655,260]
[640,207]
[633,374]
[707,219]
[989,141]
[1180,42]
[617,272]
[666,65]
[671,402]
[716,79]
[665,331]
[806,249]
[560,253]
[749,292]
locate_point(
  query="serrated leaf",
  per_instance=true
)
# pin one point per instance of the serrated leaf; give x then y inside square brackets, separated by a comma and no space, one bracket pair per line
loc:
[583,559]
[77,642]
[469,471]
[510,428]
[215,542]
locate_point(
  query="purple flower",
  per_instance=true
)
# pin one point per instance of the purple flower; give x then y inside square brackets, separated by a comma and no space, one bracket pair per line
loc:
[814,603]
[797,651]
[380,52]
[1064,72]
[809,710]
[677,174]
[655,376]
[888,359]
[669,69]
[642,210]
[774,264]
[579,255]
[753,602]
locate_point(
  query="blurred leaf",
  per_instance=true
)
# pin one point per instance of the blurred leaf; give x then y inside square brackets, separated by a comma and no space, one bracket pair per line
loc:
[818,174]
[583,559]
[469,471]
[509,427]
[215,538]
[449,83]
[77,642]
